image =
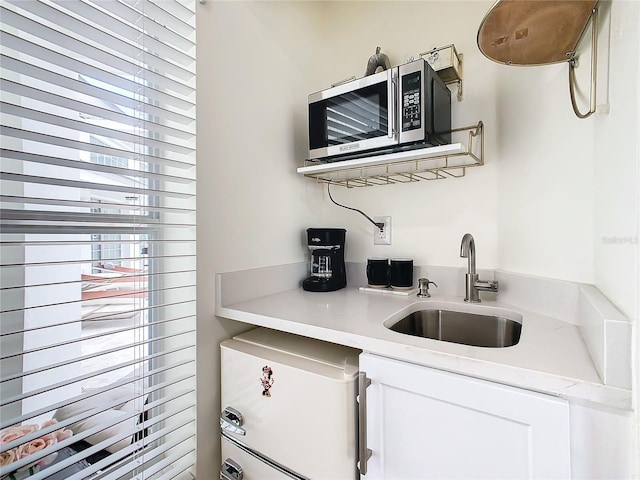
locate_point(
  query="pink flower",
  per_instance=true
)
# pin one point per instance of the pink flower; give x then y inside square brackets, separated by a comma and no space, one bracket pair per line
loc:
[7,457]
[49,438]
[34,446]
[37,445]
[61,434]
[48,423]
[12,433]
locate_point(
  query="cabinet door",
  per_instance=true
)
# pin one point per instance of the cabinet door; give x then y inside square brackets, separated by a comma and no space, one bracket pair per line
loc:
[424,423]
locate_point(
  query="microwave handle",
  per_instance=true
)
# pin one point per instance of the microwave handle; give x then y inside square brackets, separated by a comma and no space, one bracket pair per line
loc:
[393,127]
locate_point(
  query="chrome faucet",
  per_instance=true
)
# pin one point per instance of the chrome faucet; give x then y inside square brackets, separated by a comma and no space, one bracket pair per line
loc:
[473,284]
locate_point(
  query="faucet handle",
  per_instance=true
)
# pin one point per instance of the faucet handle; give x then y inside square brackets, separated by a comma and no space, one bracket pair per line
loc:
[487,285]
[423,287]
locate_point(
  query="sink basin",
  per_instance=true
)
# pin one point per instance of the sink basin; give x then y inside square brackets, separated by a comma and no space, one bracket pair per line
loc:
[476,329]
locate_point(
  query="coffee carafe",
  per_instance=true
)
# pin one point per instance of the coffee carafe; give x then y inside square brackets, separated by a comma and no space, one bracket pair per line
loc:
[326,247]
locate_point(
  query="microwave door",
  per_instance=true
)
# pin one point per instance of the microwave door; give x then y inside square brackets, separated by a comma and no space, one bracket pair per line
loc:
[352,118]
[413,83]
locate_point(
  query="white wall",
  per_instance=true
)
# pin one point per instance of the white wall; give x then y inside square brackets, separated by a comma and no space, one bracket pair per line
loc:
[254,69]
[253,73]
[541,204]
[616,148]
[546,185]
[568,186]
[428,218]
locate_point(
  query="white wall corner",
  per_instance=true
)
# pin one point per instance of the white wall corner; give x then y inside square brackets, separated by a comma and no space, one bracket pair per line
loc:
[607,334]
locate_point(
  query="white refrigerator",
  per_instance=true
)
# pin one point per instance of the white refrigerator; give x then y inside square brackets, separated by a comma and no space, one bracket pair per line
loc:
[289,408]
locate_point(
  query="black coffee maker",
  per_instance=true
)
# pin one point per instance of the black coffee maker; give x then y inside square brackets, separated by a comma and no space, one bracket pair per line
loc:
[327,260]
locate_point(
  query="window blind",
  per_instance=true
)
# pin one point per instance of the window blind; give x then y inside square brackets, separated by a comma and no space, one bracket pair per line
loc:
[97,239]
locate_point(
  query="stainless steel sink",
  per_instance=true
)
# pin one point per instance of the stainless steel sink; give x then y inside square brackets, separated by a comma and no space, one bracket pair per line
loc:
[480,330]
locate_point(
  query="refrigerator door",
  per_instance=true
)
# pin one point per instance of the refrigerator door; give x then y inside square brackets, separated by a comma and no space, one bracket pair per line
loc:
[241,465]
[296,399]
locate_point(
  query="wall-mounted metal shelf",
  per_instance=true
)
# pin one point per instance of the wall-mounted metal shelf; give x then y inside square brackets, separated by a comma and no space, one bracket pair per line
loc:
[433,163]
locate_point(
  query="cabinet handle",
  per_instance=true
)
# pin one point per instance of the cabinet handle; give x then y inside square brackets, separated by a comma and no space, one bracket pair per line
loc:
[364,453]
[231,470]
[232,420]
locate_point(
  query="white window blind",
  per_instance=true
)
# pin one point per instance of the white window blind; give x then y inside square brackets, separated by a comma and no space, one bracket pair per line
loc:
[97,239]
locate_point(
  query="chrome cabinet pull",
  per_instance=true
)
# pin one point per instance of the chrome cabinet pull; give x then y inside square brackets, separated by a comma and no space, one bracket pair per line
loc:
[231,470]
[364,453]
[232,421]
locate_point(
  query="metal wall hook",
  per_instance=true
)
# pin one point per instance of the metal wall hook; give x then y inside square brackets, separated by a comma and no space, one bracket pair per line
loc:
[573,64]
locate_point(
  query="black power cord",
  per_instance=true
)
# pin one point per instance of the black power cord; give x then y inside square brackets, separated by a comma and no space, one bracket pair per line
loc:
[379,225]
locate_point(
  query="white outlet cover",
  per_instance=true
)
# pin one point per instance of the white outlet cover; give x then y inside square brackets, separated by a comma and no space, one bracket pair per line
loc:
[382,238]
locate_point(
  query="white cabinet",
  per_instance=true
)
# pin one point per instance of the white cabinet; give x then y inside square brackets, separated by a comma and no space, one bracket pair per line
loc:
[424,423]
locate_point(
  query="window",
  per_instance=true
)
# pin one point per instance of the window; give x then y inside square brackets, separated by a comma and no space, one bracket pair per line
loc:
[104,248]
[97,240]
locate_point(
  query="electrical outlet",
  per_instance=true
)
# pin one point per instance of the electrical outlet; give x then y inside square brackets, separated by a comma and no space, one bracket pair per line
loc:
[382,236]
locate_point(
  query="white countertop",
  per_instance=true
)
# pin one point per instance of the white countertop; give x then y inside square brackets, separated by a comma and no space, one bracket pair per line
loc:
[551,356]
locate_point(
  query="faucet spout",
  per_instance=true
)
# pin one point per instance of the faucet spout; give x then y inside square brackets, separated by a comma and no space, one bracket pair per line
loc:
[473,284]
[468,251]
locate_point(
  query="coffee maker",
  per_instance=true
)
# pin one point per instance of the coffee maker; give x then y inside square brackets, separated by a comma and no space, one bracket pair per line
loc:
[328,273]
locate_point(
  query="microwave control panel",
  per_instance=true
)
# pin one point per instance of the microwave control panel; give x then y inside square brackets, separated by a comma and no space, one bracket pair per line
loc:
[411,101]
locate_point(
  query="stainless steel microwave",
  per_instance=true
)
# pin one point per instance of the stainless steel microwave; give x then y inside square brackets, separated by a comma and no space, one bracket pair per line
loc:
[397,109]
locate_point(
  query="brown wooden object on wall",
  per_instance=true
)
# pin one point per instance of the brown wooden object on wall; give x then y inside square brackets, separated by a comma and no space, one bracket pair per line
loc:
[533,32]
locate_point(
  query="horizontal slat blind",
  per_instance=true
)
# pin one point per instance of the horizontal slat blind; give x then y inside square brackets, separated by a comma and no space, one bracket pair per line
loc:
[97,259]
